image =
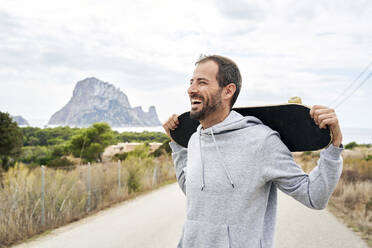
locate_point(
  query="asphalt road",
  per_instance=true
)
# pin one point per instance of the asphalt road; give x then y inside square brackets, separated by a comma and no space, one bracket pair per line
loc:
[155,220]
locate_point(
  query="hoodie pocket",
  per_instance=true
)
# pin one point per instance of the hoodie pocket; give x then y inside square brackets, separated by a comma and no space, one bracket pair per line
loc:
[205,234]
[242,236]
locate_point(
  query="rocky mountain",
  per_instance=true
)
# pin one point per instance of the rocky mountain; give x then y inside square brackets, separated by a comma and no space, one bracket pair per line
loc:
[20,120]
[96,101]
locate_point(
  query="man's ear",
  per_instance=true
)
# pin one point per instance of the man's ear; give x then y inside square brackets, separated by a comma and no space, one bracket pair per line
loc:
[229,91]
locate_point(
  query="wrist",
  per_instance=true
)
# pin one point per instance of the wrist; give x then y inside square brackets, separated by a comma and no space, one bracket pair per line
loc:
[337,142]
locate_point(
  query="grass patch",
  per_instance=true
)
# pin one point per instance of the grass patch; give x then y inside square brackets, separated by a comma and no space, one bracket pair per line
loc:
[351,201]
[66,193]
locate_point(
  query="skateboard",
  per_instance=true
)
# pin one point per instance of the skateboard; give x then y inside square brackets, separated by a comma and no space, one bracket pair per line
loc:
[292,121]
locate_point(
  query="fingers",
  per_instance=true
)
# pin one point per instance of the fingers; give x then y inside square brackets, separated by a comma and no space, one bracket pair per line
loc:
[316,107]
[171,124]
[173,121]
[327,119]
[319,113]
[323,117]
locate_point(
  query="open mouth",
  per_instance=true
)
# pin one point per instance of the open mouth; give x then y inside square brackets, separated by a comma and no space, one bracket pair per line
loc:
[195,102]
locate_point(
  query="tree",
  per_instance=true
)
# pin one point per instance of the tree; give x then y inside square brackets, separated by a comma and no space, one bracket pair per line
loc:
[11,140]
[91,142]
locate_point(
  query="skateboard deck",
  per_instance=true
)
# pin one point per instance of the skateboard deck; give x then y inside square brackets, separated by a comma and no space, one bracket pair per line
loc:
[293,122]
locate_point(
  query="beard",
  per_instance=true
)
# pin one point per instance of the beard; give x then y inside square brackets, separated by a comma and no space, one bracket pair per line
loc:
[209,106]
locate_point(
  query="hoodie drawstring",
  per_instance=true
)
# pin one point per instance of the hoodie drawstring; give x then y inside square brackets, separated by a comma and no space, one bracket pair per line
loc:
[202,163]
[221,158]
[223,161]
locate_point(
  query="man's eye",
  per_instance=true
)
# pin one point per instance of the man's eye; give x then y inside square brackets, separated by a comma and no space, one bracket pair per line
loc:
[202,82]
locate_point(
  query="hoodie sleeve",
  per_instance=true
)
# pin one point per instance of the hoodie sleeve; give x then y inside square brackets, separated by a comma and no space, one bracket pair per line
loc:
[314,189]
[179,156]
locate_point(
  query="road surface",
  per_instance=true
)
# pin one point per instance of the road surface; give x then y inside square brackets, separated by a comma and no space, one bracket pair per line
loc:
[155,220]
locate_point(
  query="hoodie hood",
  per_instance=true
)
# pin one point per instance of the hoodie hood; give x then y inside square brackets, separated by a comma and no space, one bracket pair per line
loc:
[234,121]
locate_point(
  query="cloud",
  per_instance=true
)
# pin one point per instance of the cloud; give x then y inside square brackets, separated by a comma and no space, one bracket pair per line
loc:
[283,48]
[241,9]
[8,25]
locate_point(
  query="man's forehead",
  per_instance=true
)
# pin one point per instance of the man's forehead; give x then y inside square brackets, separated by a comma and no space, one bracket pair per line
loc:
[207,69]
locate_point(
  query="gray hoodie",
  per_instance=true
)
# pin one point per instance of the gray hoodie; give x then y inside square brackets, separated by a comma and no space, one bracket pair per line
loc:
[230,173]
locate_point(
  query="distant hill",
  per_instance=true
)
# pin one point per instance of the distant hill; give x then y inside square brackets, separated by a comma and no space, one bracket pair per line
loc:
[20,120]
[96,101]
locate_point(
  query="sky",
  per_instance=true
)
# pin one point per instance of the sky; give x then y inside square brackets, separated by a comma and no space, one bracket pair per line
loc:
[311,49]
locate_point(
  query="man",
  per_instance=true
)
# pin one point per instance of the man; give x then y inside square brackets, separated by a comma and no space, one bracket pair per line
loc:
[233,165]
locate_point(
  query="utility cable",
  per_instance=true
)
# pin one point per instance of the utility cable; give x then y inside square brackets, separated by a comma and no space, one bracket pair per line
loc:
[360,85]
[352,83]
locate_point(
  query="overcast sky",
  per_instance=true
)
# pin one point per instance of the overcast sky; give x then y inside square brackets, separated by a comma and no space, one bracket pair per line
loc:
[311,49]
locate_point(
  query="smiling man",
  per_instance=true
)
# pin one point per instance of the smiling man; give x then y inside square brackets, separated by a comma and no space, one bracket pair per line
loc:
[234,165]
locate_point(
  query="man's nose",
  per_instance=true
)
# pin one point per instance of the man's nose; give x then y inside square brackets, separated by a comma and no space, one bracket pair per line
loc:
[192,89]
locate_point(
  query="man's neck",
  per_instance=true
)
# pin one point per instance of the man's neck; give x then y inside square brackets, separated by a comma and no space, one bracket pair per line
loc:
[215,118]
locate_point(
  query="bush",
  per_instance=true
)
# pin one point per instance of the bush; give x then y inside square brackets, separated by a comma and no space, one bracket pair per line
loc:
[59,162]
[134,177]
[141,151]
[351,145]
[163,149]
[369,157]
[34,136]
[120,156]
[141,137]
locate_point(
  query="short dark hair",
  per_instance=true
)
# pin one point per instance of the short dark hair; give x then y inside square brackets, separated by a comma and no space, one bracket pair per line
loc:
[228,72]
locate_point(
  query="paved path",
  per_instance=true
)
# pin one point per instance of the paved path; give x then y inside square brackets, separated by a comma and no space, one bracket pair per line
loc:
[155,221]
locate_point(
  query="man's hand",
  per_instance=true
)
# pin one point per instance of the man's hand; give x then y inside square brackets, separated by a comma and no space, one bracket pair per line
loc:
[324,116]
[171,124]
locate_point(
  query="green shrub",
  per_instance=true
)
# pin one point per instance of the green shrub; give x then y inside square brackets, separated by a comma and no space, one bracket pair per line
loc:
[141,151]
[369,157]
[134,177]
[351,145]
[163,149]
[60,162]
[141,137]
[120,156]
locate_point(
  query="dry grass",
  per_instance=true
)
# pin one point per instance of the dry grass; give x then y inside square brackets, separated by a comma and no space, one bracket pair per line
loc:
[66,193]
[352,199]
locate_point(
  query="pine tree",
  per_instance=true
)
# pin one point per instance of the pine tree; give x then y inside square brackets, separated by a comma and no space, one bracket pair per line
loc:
[11,140]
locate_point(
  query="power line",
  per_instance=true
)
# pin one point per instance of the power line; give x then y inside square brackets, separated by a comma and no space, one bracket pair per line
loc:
[348,96]
[350,85]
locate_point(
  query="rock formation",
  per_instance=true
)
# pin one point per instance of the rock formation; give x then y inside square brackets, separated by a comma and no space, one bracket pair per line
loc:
[96,101]
[20,120]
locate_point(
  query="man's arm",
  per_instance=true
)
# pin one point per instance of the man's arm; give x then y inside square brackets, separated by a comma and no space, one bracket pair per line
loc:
[179,153]
[315,189]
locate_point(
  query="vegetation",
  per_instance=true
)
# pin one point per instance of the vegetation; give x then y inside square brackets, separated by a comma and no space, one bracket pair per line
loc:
[34,136]
[51,146]
[10,141]
[353,144]
[352,199]
[163,149]
[23,150]
[66,192]
[141,137]
[90,143]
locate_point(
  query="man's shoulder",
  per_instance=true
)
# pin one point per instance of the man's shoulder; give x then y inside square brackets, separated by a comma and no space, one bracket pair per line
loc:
[193,137]
[259,130]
